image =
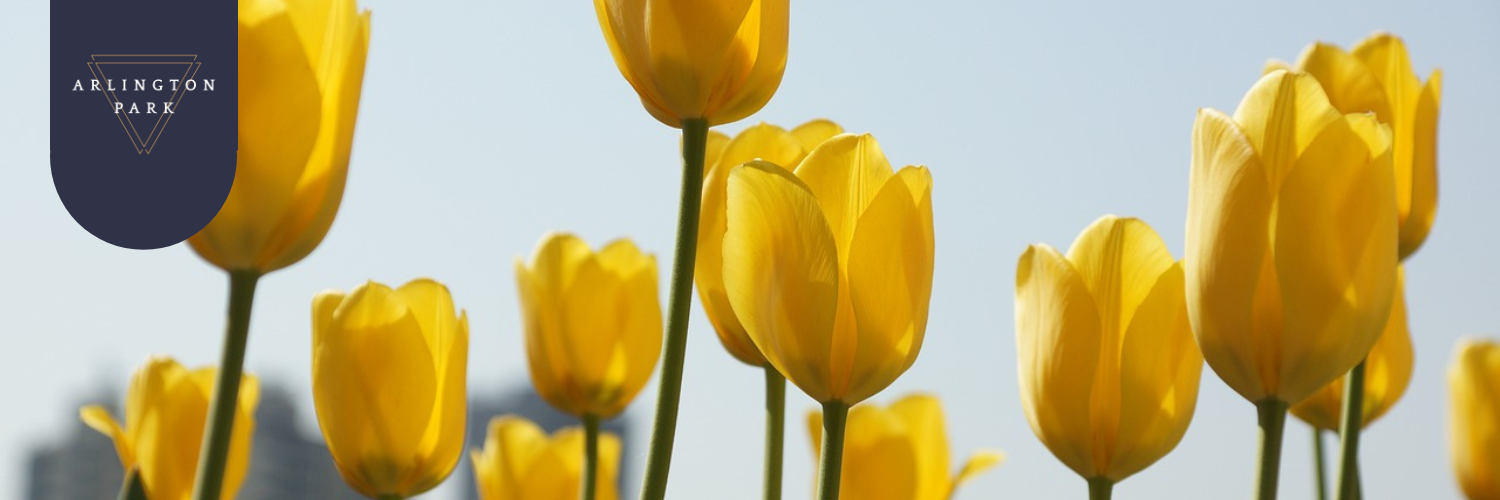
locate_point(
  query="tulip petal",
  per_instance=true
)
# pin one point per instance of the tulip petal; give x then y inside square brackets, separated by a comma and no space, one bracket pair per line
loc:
[713,148]
[1280,116]
[887,463]
[1058,346]
[1350,85]
[1119,259]
[1335,241]
[845,173]
[690,47]
[1160,367]
[1474,417]
[814,132]
[171,434]
[447,336]
[761,44]
[977,463]
[99,419]
[923,417]
[781,271]
[1417,189]
[624,26]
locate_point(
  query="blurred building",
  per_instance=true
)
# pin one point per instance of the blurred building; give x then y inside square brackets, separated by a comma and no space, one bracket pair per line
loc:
[525,402]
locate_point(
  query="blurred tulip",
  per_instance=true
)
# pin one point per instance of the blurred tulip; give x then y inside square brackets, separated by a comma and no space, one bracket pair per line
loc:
[1291,239]
[389,370]
[900,452]
[165,412]
[1387,372]
[718,61]
[1108,369]
[520,462]
[1474,417]
[593,323]
[830,270]
[764,142]
[301,66]
[1377,77]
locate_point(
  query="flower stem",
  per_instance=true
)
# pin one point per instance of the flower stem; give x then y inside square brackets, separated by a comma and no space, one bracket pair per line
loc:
[1353,419]
[1319,474]
[831,462]
[1101,488]
[664,429]
[590,456]
[775,430]
[226,396]
[133,489]
[1272,416]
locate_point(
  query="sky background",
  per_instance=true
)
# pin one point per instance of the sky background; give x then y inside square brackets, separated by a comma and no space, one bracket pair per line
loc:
[486,124]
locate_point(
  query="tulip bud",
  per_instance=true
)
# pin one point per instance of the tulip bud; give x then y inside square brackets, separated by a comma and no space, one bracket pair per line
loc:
[1474,417]
[900,451]
[521,462]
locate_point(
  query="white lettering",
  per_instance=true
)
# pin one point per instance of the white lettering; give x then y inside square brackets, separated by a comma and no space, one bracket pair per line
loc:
[208,84]
[118,107]
[156,85]
[151,108]
[111,83]
[77,85]
[190,84]
[174,84]
[133,110]
[166,108]
[96,85]
[140,84]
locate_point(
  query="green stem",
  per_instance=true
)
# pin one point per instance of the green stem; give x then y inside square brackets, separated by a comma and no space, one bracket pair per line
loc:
[664,429]
[1272,416]
[1353,419]
[1319,474]
[1101,488]
[831,462]
[775,430]
[590,456]
[133,489]
[226,395]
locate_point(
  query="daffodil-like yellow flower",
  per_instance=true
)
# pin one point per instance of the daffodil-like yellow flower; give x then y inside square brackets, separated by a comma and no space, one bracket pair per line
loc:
[829,269]
[689,59]
[165,411]
[520,462]
[389,370]
[1377,77]
[1387,372]
[765,142]
[1474,417]
[1108,369]
[1291,239]
[301,66]
[900,452]
[593,323]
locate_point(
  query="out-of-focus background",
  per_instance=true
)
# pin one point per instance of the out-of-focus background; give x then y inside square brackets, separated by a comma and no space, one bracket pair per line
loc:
[486,124]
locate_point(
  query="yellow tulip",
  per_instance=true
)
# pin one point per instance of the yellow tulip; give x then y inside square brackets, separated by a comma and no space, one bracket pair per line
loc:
[1474,417]
[389,370]
[1377,77]
[1108,369]
[718,61]
[829,269]
[520,462]
[900,452]
[301,66]
[1290,264]
[766,142]
[593,323]
[1387,373]
[165,411]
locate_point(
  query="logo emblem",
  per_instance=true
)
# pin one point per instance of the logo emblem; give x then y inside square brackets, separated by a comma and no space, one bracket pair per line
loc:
[111,71]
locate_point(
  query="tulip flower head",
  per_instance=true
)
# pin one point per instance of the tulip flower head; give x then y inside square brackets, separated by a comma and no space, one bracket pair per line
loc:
[1474,417]
[1108,368]
[829,269]
[765,142]
[1388,370]
[166,408]
[1377,77]
[900,452]
[718,61]
[301,67]
[593,323]
[389,369]
[1291,239]
[521,462]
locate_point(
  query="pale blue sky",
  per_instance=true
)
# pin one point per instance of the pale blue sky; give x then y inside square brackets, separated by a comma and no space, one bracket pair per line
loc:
[486,124]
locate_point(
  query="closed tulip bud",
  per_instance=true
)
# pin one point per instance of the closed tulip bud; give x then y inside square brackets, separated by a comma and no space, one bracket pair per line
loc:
[900,452]
[1377,77]
[166,408]
[1291,239]
[521,462]
[593,323]
[829,269]
[1108,369]
[1474,417]
[389,370]
[718,61]
[301,67]
[766,142]
[1387,372]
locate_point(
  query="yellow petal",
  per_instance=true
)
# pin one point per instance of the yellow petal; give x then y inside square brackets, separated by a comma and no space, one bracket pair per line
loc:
[756,62]
[845,173]
[542,285]
[814,132]
[1350,85]
[1225,261]
[447,337]
[1280,116]
[781,271]
[1385,55]
[923,417]
[609,467]
[690,44]
[99,419]
[1417,190]
[1119,259]
[1474,417]
[1335,242]
[170,435]
[713,148]
[1160,367]
[1388,370]
[880,458]
[977,463]
[1273,65]
[1058,346]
